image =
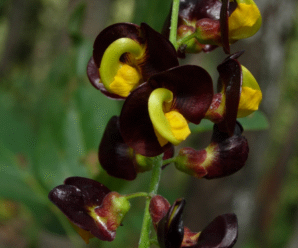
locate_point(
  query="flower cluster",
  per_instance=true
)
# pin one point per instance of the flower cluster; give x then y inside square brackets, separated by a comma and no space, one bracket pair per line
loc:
[140,66]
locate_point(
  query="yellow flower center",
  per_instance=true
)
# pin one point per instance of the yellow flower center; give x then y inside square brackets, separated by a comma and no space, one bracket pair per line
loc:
[126,79]
[245,20]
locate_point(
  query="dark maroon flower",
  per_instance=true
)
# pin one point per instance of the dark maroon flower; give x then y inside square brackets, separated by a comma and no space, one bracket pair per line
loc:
[222,232]
[224,156]
[156,113]
[90,206]
[120,160]
[126,55]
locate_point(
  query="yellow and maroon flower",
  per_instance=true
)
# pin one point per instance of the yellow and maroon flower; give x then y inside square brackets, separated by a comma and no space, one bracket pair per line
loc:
[239,94]
[224,156]
[215,23]
[171,232]
[120,160]
[91,207]
[156,114]
[125,55]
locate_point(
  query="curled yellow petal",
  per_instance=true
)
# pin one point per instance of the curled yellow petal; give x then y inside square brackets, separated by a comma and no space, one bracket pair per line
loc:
[244,21]
[251,94]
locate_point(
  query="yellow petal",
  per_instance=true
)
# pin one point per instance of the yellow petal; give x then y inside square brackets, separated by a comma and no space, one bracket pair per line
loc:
[244,21]
[126,79]
[251,94]
[249,101]
[179,125]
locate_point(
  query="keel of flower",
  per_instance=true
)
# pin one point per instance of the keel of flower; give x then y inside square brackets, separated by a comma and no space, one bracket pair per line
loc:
[117,77]
[126,79]
[169,126]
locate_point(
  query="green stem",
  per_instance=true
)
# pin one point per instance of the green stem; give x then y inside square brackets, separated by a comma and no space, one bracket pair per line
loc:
[138,194]
[174,23]
[185,39]
[170,160]
[155,177]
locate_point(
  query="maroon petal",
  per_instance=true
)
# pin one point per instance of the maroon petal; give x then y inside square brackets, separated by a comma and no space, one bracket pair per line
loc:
[135,124]
[230,153]
[192,90]
[224,25]
[112,33]
[160,53]
[116,157]
[231,79]
[222,232]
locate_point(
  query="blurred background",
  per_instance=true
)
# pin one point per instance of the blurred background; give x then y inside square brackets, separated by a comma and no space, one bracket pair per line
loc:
[52,120]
